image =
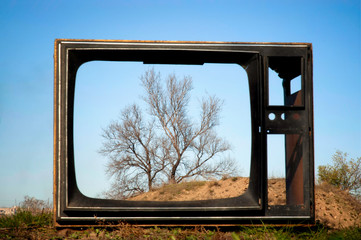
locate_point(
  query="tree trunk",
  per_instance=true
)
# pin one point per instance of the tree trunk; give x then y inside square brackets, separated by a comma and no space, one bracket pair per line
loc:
[150,183]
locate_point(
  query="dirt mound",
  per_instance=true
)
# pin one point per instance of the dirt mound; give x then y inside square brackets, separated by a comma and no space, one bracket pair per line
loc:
[201,190]
[334,208]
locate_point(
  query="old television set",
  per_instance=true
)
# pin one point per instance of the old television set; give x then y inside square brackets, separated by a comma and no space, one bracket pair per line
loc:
[290,119]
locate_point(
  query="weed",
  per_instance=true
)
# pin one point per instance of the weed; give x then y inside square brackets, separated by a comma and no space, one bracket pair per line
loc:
[75,235]
[225,177]
[235,236]
[175,189]
[234,179]
[24,218]
[214,184]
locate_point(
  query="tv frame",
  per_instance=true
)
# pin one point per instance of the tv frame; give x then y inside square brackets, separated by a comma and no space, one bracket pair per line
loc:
[72,208]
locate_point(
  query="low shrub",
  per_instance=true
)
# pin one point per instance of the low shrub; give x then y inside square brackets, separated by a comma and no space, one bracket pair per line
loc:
[25,218]
[344,173]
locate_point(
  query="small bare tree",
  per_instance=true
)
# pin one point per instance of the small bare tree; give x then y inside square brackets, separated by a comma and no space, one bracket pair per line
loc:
[170,147]
[35,205]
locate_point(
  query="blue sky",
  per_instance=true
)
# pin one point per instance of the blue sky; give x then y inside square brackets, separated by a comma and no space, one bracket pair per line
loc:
[29,28]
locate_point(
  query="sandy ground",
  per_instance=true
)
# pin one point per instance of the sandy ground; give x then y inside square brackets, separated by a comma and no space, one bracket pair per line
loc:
[334,208]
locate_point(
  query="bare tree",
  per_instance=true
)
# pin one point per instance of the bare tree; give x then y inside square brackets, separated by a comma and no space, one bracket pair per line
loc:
[35,205]
[136,154]
[170,147]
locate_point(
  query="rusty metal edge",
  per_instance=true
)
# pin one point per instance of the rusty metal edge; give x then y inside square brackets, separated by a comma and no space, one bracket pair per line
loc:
[306,225]
[55,128]
[181,42]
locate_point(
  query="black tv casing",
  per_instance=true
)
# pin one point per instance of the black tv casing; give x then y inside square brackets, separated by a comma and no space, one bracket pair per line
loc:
[289,60]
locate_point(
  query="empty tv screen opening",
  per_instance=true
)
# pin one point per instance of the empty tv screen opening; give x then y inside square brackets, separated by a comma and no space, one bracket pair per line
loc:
[106,89]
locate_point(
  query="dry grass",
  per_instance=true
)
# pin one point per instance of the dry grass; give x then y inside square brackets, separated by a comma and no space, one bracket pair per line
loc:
[126,231]
[197,190]
[170,192]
